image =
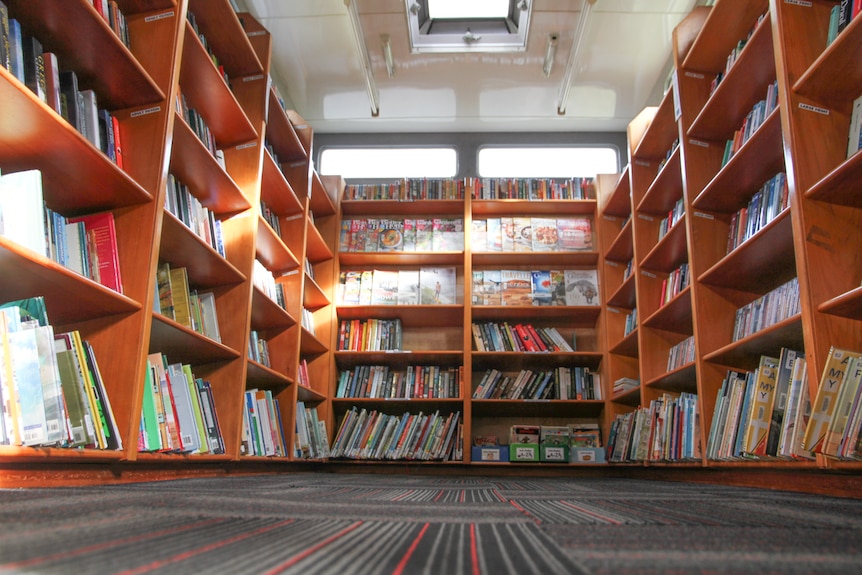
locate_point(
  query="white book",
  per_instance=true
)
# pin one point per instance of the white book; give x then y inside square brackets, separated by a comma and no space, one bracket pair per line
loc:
[582,287]
[22,210]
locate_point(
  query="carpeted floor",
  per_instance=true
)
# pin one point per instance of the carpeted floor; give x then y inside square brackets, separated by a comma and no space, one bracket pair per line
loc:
[408,524]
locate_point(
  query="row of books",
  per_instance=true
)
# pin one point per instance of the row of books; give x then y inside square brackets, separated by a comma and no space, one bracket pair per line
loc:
[189,307]
[734,55]
[22,54]
[502,336]
[631,322]
[674,283]
[258,348]
[840,17]
[180,202]
[777,305]
[676,213]
[264,280]
[410,189]
[262,427]
[307,320]
[178,414]
[415,382]
[85,244]
[425,286]
[271,218]
[668,154]
[198,125]
[375,435]
[624,385]
[370,335]
[752,121]
[761,413]
[401,235]
[572,287]
[533,189]
[668,430]
[478,188]
[51,389]
[562,382]
[531,234]
[215,60]
[835,426]
[311,440]
[111,12]
[681,354]
[764,206]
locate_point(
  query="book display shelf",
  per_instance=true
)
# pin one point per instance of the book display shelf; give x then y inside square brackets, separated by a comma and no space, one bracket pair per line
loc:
[295,305]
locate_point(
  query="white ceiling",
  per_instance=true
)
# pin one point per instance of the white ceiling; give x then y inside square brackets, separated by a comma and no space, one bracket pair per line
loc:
[622,68]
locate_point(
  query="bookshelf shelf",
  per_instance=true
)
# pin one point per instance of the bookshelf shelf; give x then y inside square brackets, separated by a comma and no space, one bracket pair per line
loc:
[625,295]
[659,135]
[742,87]
[267,314]
[535,259]
[514,360]
[399,359]
[406,208]
[628,345]
[683,378]
[745,352]
[261,376]
[276,192]
[369,259]
[581,316]
[847,305]
[272,251]
[206,92]
[725,25]
[669,252]
[769,250]
[281,133]
[840,186]
[96,61]
[833,77]
[207,268]
[672,315]
[665,190]
[181,343]
[572,408]
[485,208]
[226,36]
[622,248]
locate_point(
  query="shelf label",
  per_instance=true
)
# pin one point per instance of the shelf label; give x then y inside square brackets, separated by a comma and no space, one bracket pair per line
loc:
[645,217]
[536,400]
[694,75]
[146,111]
[290,273]
[811,108]
[161,16]
[293,217]
[611,263]
[253,78]
[642,163]
[256,33]
[698,143]
[609,218]
[704,216]
[648,274]
[804,3]
[297,164]
[613,310]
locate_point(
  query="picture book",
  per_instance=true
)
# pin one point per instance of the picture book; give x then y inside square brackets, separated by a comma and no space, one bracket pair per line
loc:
[437,286]
[582,287]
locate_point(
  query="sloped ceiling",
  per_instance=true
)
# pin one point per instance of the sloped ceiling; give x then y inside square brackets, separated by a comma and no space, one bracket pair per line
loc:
[623,67]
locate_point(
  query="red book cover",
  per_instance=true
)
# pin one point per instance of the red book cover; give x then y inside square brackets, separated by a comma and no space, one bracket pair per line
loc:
[118,148]
[104,236]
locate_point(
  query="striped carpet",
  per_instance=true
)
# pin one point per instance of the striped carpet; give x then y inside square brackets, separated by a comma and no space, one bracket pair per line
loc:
[309,524]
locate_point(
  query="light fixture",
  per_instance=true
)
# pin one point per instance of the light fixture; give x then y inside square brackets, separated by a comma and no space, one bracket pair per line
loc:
[364,60]
[571,65]
[550,54]
[387,54]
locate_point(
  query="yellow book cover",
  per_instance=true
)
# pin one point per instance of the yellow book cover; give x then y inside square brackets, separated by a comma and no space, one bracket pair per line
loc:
[823,406]
[843,404]
[761,408]
[181,297]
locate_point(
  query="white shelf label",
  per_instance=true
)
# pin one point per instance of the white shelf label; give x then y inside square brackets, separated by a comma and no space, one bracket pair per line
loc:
[645,217]
[704,216]
[648,274]
[804,3]
[811,108]
[694,75]
[253,78]
[146,111]
[244,146]
[698,143]
[161,16]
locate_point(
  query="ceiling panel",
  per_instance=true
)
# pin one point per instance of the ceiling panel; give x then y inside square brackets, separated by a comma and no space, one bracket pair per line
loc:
[623,60]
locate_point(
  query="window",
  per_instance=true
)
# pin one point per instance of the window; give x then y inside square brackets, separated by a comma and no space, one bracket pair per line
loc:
[547,162]
[458,26]
[374,163]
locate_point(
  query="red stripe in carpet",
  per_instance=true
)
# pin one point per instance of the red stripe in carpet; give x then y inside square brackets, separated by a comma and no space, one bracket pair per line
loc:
[106,545]
[191,553]
[401,564]
[592,513]
[474,552]
[297,558]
